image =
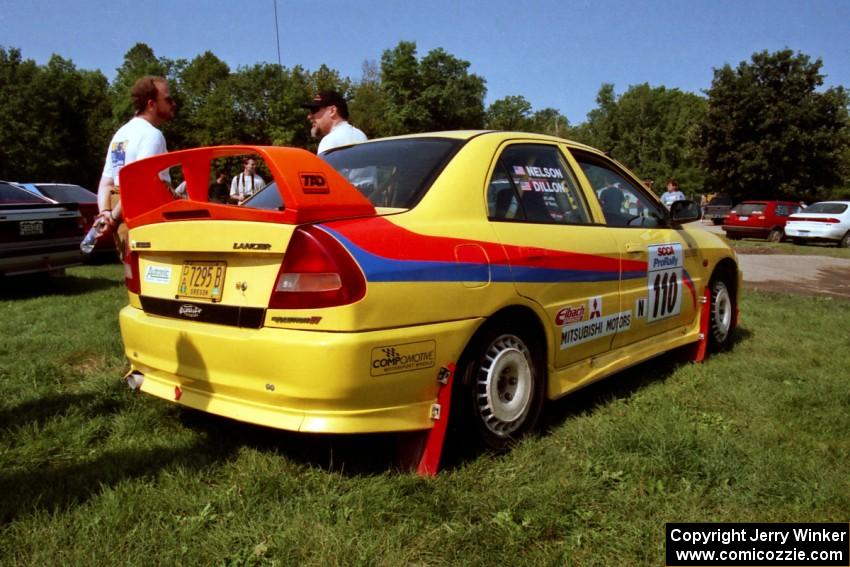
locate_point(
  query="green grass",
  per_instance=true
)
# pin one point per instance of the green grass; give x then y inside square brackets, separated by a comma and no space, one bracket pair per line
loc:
[756,246]
[92,474]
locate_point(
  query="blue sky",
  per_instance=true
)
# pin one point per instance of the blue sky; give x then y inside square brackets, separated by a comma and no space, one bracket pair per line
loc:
[555,53]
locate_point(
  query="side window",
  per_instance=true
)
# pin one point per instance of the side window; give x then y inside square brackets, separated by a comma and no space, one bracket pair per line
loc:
[782,211]
[623,202]
[533,183]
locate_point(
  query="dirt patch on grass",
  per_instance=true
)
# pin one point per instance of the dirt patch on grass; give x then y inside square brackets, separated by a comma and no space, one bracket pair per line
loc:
[801,275]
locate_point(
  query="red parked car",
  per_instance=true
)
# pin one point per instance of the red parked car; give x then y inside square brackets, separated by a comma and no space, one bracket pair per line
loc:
[759,219]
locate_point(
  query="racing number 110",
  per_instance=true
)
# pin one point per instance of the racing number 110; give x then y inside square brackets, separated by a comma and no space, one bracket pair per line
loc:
[666,290]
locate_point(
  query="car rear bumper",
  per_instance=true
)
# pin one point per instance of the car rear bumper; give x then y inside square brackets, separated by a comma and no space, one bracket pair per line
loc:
[373,381]
[816,231]
[747,230]
[23,258]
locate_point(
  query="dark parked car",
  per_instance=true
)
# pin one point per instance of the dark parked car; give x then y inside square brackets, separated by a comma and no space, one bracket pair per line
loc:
[85,199]
[759,219]
[36,234]
[718,208]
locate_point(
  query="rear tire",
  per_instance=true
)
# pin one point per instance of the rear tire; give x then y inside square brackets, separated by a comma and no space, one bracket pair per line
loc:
[717,221]
[845,241]
[733,236]
[504,381]
[722,316]
[776,235]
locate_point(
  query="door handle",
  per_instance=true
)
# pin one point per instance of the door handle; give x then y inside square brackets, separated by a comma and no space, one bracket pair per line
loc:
[635,248]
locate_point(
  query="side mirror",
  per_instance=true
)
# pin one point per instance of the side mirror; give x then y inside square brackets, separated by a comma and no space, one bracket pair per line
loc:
[685,211]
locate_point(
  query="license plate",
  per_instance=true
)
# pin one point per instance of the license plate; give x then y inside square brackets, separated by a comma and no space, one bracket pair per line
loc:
[202,280]
[30,227]
[744,218]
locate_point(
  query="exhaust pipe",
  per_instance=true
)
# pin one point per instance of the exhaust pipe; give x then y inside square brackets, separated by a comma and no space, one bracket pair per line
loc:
[134,379]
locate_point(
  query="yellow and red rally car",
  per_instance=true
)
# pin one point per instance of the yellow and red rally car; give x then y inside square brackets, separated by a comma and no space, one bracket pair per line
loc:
[378,287]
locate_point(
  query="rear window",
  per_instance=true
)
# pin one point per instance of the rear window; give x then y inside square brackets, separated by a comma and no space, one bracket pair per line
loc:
[826,208]
[393,173]
[68,193]
[11,195]
[750,208]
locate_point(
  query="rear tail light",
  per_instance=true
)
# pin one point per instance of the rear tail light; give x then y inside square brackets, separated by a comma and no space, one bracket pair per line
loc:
[317,271]
[131,272]
[816,219]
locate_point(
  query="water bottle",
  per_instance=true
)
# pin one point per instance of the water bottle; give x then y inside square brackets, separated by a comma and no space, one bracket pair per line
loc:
[87,245]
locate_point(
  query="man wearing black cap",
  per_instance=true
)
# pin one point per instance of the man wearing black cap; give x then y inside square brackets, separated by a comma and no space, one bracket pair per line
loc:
[328,115]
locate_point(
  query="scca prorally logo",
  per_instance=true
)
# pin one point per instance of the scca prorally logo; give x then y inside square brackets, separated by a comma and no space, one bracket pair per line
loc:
[314,183]
[403,358]
[189,310]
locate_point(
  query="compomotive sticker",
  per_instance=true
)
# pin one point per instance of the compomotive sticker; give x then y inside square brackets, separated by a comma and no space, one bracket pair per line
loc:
[402,358]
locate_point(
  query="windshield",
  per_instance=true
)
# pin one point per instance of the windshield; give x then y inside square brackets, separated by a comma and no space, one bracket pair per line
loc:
[826,208]
[68,193]
[11,195]
[393,173]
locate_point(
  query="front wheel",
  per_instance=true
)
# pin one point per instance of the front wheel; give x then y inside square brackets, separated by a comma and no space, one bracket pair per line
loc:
[504,379]
[722,316]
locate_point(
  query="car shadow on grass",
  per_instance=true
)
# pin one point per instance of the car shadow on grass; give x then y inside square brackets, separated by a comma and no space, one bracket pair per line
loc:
[40,285]
[351,455]
[375,454]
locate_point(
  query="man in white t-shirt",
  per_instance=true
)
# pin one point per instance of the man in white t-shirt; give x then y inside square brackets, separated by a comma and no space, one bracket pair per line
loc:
[246,183]
[328,115]
[139,138]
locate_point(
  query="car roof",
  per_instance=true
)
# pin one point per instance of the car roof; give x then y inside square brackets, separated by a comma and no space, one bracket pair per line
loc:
[503,134]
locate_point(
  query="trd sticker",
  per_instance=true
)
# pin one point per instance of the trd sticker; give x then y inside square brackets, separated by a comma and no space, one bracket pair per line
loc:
[570,315]
[313,183]
[403,358]
[575,334]
[664,281]
[158,274]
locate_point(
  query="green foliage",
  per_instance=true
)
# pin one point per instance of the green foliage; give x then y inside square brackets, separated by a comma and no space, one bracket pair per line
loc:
[766,129]
[436,93]
[52,120]
[509,113]
[649,129]
[771,131]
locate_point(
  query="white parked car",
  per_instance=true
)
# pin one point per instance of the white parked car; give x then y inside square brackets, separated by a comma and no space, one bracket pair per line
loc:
[824,221]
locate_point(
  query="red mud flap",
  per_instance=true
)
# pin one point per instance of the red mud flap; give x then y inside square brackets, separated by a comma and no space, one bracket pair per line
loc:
[423,450]
[697,352]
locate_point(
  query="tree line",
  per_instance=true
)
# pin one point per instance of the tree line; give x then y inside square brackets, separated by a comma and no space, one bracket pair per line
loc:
[766,128]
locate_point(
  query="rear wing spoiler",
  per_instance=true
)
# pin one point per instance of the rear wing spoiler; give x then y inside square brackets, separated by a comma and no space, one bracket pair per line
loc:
[310,189]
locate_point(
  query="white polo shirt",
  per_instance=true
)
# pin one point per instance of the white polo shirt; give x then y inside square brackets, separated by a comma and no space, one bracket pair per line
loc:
[341,135]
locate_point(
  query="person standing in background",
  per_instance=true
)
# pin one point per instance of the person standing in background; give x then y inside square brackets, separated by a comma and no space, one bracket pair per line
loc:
[328,115]
[139,138]
[673,194]
[246,183]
